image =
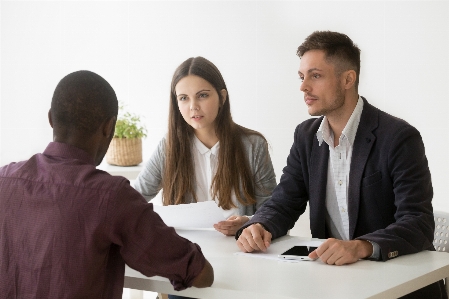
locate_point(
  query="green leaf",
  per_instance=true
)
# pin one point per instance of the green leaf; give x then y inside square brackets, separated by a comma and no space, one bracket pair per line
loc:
[128,125]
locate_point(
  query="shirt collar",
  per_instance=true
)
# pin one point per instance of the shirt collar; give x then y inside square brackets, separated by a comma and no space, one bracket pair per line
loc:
[202,149]
[67,151]
[324,132]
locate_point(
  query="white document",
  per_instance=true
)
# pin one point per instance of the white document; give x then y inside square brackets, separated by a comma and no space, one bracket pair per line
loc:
[278,247]
[200,215]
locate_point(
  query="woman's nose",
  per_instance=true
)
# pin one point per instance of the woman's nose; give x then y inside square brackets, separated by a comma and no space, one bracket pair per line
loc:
[194,106]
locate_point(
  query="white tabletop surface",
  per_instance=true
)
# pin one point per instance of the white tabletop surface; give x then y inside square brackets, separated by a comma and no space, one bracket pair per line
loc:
[129,172]
[241,276]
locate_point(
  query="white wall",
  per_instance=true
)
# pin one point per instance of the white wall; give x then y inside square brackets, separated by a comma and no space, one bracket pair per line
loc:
[136,46]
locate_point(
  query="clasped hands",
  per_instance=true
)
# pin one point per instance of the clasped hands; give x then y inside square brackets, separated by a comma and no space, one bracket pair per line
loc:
[332,251]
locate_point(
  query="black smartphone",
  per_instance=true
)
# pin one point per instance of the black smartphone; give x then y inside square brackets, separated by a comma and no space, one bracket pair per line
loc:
[300,253]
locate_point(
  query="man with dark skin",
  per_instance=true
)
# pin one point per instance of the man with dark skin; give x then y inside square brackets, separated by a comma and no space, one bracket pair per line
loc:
[67,228]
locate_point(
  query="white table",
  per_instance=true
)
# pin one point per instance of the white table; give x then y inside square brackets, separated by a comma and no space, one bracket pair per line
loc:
[129,172]
[238,276]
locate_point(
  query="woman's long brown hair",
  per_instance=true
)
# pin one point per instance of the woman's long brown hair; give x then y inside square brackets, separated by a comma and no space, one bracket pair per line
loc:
[233,171]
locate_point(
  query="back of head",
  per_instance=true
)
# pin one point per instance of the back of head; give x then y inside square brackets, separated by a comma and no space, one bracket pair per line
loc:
[338,48]
[81,101]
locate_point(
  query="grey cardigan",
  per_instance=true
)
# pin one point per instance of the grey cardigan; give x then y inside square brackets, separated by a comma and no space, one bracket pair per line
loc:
[149,181]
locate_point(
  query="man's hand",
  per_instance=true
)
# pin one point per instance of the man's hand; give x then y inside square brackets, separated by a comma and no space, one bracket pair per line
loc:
[338,252]
[254,238]
[231,225]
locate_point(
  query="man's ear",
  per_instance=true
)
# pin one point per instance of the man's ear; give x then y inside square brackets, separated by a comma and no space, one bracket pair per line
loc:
[49,118]
[109,127]
[349,78]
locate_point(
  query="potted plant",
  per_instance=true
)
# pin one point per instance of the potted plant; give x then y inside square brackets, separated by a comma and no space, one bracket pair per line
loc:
[126,146]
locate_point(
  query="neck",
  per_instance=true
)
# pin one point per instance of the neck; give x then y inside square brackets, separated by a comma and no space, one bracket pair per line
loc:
[338,119]
[207,137]
[86,143]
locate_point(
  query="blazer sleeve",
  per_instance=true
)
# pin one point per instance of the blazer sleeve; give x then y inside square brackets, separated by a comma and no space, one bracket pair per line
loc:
[405,210]
[149,180]
[289,198]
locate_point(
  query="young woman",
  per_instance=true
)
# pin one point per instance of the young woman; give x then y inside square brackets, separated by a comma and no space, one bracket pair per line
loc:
[205,155]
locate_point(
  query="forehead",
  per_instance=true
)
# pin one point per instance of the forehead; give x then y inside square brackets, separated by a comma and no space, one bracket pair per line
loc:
[314,60]
[192,84]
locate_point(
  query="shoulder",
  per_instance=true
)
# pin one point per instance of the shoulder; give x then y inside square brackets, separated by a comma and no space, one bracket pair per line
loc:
[383,122]
[159,151]
[11,168]
[309,126]
[253,139]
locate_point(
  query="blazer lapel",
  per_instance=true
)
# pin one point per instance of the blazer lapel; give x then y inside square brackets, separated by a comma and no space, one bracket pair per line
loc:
[318,178]
[363,143]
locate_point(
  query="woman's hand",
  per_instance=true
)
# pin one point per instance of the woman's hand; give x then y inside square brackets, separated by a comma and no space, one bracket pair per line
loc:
[230,226]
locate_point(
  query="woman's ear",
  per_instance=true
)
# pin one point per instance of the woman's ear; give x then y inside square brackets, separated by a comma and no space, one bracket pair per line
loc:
[224,94]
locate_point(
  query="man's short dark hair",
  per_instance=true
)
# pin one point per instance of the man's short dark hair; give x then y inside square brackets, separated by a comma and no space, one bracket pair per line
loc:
[81,102]
[339,49]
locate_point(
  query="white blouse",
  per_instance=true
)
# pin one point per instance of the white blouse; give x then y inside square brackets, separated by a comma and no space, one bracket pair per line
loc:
[206,161]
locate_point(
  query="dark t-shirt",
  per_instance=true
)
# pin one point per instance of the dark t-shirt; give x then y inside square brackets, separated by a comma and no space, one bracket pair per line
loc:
[67,229]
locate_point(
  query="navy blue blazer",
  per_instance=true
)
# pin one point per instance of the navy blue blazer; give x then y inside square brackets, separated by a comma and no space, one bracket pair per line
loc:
[389,195]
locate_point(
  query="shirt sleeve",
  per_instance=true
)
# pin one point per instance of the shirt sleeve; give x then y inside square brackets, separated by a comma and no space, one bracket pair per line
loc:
[150,246]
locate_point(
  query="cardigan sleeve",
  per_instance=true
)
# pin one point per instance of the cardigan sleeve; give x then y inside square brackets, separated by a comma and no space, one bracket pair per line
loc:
[149,180]
[264,176]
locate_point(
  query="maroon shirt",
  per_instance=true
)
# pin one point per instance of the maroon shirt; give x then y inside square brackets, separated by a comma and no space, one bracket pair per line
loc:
[67,229]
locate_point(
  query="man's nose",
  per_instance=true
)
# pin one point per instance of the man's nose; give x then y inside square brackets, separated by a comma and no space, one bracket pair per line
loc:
[304,86]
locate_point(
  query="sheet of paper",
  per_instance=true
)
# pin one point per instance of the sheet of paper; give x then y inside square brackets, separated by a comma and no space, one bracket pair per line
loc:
[278,247]
[200,215]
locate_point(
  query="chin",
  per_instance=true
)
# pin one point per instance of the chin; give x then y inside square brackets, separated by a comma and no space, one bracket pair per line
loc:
[315,113]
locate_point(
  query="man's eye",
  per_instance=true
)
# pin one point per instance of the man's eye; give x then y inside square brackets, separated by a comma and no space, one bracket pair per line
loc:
[316,76]
[301,78]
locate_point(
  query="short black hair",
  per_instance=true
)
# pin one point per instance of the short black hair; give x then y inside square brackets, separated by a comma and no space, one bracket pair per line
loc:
[81,101]
[338,48]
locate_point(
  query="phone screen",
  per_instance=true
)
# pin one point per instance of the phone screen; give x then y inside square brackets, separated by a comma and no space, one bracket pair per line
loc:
[298,253]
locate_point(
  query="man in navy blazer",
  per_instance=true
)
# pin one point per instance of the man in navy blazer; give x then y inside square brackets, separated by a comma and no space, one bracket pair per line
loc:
[363,172]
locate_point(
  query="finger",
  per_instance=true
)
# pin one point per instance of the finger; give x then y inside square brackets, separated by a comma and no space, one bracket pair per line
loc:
[267,238]
[323,247]
[240,245]
[341,261]
[252,237]
[244,244]
[259,241]
[225,222]
[331,259]
[313,255]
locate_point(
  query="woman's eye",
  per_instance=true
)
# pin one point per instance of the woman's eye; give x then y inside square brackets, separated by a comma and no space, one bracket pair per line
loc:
[203,95]
[301,78]
[316,76]
[183,98]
